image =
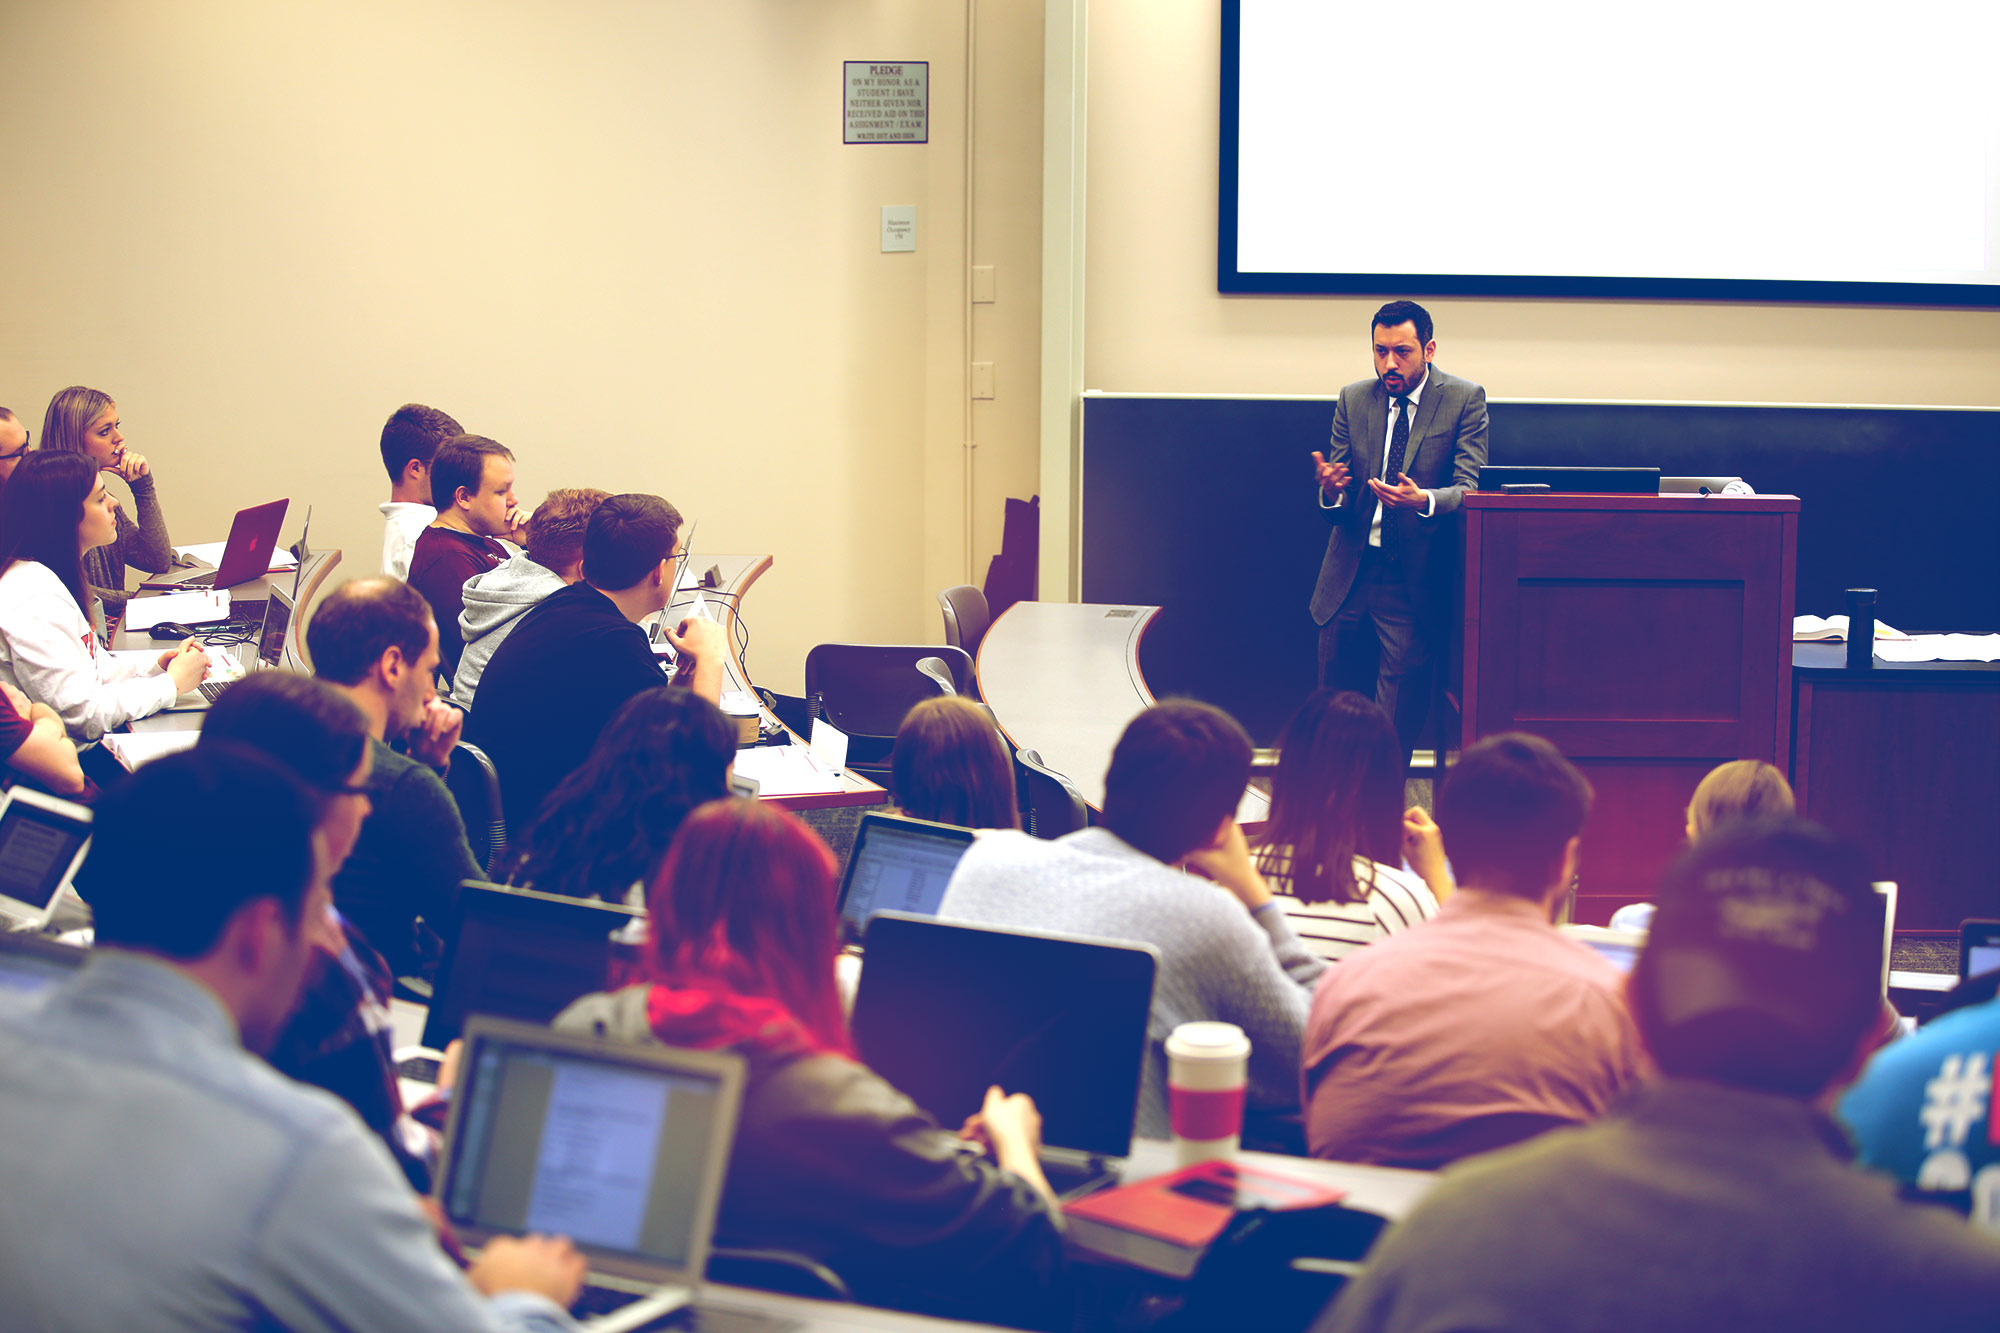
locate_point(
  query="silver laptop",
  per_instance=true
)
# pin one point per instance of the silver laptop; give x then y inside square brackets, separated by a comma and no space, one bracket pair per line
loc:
[43,839]
[898,864]
[622,1148]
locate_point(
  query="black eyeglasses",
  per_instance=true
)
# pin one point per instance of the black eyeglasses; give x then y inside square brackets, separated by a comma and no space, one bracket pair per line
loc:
[26,440]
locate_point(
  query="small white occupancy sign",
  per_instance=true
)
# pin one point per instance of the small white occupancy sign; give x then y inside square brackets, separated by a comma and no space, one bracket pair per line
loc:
[888,101]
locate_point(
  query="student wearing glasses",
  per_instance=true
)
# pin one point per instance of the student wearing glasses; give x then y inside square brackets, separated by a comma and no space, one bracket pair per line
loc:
[14,443]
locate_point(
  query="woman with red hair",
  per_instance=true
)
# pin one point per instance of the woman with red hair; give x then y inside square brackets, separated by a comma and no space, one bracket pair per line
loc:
[830,1161]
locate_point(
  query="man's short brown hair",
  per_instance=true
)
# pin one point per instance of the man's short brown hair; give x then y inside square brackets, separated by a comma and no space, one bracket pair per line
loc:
[414,432]
[556,528]
[460,464]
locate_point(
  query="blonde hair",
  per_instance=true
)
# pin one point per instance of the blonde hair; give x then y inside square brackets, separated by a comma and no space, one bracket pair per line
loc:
[69,416]
[1739,789]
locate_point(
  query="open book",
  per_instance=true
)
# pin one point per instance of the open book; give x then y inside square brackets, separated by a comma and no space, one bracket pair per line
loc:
[1833,629]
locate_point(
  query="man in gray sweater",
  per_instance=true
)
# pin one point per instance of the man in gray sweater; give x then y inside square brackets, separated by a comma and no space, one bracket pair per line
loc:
[496,600]
[1227,951]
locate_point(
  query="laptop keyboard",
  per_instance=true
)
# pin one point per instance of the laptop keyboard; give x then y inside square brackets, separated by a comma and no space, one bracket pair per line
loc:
[211,688]
[603,1300]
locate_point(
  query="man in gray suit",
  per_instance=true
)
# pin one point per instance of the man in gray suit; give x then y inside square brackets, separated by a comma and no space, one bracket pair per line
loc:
[1406,447]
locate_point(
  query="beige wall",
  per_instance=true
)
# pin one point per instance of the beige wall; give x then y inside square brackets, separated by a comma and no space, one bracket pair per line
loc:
[1155,323]
[623,238]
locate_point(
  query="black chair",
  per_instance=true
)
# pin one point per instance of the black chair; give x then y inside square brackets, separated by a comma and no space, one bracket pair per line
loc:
[475,784]
[966,616]
[866,689]
[1050,803]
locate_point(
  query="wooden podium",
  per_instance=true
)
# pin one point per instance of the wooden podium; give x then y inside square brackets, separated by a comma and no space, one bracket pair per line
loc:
[1648,636]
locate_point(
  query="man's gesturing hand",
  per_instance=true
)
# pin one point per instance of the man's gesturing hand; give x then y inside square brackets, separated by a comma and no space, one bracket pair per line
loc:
[1332,477]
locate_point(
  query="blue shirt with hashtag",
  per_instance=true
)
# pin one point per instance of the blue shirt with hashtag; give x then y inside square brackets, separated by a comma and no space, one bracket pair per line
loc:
[1923,1112]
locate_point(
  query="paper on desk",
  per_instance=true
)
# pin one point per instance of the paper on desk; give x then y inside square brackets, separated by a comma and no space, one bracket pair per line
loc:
[1942,648]
[188,608]
[143,747]
[829,745]
[210,553]
[786,770]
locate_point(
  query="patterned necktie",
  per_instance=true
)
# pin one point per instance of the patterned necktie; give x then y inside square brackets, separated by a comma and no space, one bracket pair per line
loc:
[1399,443]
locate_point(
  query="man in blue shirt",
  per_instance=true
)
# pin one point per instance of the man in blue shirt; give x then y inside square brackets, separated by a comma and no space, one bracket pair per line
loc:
[158,1175]
[1923,1110]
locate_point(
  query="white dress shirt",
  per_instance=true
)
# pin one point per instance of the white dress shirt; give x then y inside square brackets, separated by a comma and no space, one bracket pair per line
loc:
[1388,437]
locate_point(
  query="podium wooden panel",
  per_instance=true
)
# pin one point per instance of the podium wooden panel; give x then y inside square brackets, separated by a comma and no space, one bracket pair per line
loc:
[1648,636]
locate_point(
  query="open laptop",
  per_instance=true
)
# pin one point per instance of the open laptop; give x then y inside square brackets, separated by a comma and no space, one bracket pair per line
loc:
[517,953]
[43,839]
[273,632]
[247,555]
[621,1147]
[945,1011]
[1978,947]
[899,864]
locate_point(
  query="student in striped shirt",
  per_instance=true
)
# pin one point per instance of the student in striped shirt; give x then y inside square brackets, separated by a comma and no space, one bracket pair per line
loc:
[1338,837]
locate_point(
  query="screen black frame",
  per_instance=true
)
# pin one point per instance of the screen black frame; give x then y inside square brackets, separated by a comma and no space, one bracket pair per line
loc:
[1231,281]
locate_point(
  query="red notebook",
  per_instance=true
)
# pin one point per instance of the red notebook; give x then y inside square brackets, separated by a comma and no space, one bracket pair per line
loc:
[1167,1223]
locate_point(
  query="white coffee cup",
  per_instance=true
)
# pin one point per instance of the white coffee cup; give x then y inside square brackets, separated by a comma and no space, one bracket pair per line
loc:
[1208,1067]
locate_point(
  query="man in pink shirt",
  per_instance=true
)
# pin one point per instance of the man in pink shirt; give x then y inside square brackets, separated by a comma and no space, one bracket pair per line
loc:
[1483,1026]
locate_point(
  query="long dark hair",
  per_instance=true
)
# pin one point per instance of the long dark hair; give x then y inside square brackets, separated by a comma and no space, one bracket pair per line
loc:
[40,513]
[607,824]
[1337,794]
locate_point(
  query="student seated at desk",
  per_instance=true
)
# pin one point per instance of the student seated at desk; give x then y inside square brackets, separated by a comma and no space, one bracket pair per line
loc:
[85,422]
[410,439]
[158,1174]
[1227,951]
[472,485]
[55,509]
[1483,1026]
[1333,849]
[496,600]
[951,767]
[604,828]
[13,444]
[1720,1195]
[339,1038]
[35,747]
[830,1161]
[573,660]
[1739,789]
[375,640]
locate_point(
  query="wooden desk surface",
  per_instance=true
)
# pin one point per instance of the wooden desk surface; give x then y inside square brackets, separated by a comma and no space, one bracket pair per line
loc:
[1063,680]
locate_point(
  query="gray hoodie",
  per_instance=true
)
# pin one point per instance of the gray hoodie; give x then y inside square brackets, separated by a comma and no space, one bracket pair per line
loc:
[494,603]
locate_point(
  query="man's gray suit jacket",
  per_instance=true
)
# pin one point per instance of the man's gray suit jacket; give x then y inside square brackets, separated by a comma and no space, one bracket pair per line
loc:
[1446,450]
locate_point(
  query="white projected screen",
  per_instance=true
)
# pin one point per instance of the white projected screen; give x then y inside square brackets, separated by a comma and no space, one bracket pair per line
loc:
[1706,140]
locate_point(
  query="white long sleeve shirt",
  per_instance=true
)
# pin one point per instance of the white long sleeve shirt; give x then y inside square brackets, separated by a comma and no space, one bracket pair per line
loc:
[48,652]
